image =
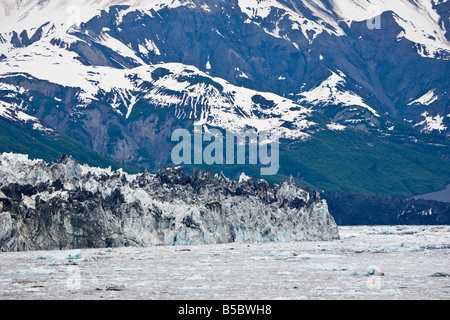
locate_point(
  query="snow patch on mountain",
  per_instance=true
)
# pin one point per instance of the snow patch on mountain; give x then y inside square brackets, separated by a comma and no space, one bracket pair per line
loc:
[431,123]
[332,92]
[193,94]
[336,127]
[18,15]
[223,105]
[420,22]
[122,49]
[151,46]
[259,11]
[427,99]
[12,111]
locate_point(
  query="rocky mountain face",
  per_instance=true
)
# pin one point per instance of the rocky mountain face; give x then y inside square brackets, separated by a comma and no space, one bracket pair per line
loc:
[62,205]
[119,78]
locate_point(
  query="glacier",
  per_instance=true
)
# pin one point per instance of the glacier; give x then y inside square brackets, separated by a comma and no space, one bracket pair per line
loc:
[65,205]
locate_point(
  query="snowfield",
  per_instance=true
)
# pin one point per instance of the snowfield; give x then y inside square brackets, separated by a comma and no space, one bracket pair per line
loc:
[383,262]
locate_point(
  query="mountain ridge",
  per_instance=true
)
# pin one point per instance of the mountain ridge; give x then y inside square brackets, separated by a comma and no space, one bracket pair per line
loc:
[120,78]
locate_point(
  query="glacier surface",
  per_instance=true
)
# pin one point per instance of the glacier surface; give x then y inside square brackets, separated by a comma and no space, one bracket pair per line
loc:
[63,205]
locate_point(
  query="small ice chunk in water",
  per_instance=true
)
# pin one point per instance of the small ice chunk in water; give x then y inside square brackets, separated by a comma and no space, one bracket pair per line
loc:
[67,255]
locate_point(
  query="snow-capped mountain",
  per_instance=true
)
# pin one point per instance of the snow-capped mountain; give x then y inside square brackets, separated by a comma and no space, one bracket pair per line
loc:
[52,40]
[51,206]
[421,21]
[184,90]
[120,76]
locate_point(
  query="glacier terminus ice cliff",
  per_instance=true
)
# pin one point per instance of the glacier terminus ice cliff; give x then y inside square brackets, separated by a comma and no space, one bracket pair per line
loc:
[65,205]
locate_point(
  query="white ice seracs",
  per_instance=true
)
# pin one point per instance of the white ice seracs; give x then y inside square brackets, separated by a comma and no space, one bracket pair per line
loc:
[88,207]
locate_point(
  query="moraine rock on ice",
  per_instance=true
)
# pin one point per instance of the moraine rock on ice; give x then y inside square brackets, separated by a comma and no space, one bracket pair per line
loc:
[64,205]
